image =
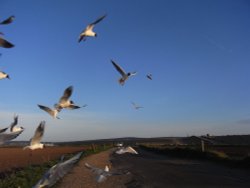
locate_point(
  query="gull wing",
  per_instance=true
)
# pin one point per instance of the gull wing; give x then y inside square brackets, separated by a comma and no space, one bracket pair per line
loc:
[46,109]
[13,124]
[8,20]
[10,136]
[66,95]
[93,169]
[57,172]
[131,150]
[118,68]
[98,20]
[5,44]
[3,130]
[38,134]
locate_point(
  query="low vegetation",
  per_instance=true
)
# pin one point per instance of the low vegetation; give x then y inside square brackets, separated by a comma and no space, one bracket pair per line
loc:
[28,176]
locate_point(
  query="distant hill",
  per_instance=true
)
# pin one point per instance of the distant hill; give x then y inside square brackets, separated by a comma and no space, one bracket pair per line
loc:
[192,140]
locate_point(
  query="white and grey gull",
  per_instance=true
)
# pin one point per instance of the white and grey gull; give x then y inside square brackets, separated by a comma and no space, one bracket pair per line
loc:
[125,75]
[35,141]
[57,172]
[88,31]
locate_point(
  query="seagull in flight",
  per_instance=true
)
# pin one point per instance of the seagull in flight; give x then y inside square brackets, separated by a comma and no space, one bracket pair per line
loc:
[13,127]
[65,102]
[5,137]
[4,75]
[35,141]
[125,75]
[128,149]
[88,31]
[57,171]
[8,20]
[149,76]
[101,174]
[52,112]
[136,106]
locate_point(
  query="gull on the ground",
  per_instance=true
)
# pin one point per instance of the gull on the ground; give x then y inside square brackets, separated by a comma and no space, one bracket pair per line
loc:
[149,76]
[13,127]
[53,112]
[128,149]
[88,31]
[5,137]
[137,107]
[35,142]
[125,75]
[57,171]
[101,174]
[4,75]
[65,102]
[5,44]
[8,20]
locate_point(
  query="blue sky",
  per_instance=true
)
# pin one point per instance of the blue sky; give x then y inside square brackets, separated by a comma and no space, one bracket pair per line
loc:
[197,51]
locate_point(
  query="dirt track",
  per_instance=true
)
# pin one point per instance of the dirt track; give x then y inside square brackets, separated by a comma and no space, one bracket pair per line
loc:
[151,170]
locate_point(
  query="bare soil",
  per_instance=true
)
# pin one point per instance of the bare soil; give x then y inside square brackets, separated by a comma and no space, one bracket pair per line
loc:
[12,158]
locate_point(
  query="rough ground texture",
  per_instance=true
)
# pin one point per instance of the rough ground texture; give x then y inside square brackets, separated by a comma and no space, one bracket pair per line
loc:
[81,177]
[149,170]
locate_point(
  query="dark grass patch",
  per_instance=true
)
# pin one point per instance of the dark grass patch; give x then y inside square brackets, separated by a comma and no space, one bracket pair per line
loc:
[209,155]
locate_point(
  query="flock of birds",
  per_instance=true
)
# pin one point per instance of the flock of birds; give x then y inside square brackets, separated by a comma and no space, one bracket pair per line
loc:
[59,170]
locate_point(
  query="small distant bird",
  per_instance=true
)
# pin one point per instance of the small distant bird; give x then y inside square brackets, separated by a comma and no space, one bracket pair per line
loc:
[5,137]
[52,112]
[64,101]
[8,20]
[35,142]
[13,127]
[136,106]
[88,31]
[126,150]
[101,174]
[125,75]
[57,171]
[149,76]
[4,75]
[5,44]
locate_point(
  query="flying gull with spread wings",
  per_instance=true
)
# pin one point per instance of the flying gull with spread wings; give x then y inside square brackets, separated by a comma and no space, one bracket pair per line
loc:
[13,125]
[57,172]
[128,149]
[101,174]
[65,101]
[137,107]
[88,31]
[125,75]
[35,141]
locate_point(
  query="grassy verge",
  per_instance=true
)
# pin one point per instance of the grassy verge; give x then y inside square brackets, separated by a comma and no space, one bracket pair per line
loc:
[29,176]
[191,153]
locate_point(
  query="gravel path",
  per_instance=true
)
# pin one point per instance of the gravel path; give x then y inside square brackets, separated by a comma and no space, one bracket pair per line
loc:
[81,177]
